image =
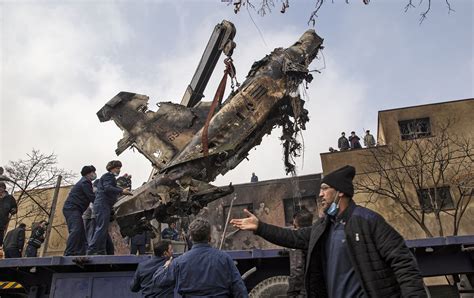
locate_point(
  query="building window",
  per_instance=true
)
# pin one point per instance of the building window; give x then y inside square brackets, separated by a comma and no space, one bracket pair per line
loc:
[441,196]
[291,206]
[237,211]
[415,128]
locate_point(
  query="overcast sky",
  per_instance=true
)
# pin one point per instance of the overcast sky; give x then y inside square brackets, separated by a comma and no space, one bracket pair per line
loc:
[61,61]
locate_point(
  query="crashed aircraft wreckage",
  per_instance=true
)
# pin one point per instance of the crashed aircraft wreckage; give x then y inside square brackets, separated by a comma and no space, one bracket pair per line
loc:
[189,144]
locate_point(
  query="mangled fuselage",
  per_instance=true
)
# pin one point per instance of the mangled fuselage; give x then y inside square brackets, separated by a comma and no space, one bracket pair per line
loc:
[172,137]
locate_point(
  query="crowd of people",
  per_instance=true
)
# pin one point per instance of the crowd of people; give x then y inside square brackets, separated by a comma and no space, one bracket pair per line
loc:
[348,251]
[87,211]
[202,271]
[13,242]
[353,142]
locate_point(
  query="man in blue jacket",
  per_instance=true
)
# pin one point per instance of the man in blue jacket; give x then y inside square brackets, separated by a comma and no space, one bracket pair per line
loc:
[143,278]
[139,242]
[170,232]
[106,196]
[203,271]
[76,203]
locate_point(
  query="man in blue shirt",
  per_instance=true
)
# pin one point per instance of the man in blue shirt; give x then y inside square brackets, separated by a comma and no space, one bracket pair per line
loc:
[170,232]
[80,196]
[203,271]
[143,279]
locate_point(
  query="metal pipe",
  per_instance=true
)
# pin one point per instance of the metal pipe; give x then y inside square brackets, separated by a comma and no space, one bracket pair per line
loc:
[227,221]
[470,248]
[51,215]
[249,272]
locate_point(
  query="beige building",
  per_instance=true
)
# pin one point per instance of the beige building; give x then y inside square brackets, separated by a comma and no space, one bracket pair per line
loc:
[29,213]
[420,174]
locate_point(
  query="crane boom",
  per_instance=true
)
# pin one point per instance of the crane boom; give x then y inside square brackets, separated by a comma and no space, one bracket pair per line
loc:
[221,40]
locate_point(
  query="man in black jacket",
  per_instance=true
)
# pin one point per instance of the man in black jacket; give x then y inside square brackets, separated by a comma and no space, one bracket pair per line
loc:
[36,239]
[352,251]
[14,242]
[7,208]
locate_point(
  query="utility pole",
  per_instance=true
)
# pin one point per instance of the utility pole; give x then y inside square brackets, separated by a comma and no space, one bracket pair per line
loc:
[51,215]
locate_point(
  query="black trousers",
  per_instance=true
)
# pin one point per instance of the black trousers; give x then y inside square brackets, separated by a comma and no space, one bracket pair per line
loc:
[31,251]
[12,253]
[140,248]
[2,234]
[76,241]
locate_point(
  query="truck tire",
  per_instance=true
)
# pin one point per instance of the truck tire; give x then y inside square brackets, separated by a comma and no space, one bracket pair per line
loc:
[275,286]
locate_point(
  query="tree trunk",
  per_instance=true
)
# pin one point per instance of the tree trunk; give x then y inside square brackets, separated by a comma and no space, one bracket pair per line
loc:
[440,224]
[426,230]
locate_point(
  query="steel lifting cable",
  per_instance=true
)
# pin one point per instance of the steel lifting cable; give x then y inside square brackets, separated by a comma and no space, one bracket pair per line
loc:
[228,71]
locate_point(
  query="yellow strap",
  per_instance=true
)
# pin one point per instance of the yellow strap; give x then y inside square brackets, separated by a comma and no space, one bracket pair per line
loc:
[10,285]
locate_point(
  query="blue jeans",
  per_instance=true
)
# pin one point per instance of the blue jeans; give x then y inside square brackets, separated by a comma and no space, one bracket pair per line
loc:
[89,225]
[97,245]
[76,241]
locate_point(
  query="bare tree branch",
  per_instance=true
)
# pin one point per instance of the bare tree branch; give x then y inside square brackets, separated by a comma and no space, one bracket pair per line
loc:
[35,176]
[265,6]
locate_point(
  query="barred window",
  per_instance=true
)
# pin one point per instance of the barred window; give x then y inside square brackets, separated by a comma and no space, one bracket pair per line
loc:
[415,128]
[439,197]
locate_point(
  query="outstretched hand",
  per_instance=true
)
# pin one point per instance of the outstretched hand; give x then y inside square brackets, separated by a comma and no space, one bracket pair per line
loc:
[250,223]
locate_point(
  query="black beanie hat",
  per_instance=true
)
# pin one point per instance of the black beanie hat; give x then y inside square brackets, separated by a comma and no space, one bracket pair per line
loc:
[87,169]
[341,180]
